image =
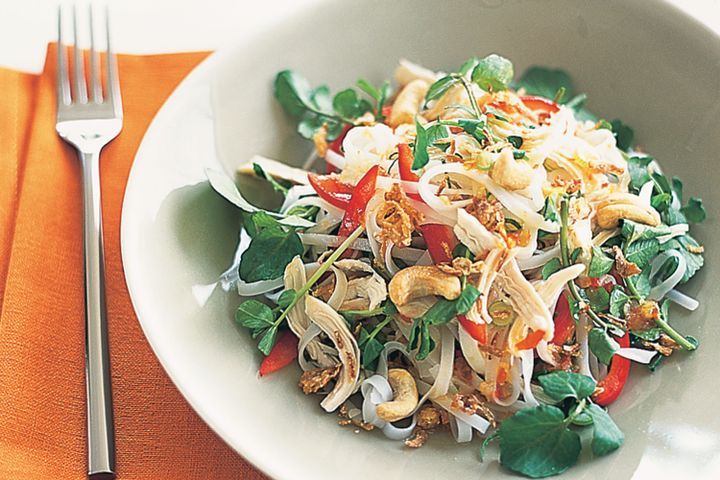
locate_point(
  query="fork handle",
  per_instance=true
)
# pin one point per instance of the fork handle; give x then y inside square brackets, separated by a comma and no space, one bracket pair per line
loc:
[100,430]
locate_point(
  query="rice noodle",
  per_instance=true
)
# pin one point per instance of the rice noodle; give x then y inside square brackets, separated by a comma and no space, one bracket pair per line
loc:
[390,265]
[646,192]
[581,334]
[659,291]
[335,159]
[408,254]
[473,355]
[445,370]
[637,354]
[528,361]
[683,300]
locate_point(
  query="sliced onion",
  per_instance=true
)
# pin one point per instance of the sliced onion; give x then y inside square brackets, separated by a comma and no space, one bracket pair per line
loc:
[340,290]
[683,300]
[528,362]
[390,265]
[660,290]
[636,354]
[310,333]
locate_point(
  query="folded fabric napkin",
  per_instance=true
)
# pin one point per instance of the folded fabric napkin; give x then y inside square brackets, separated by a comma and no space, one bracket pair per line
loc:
[42,389]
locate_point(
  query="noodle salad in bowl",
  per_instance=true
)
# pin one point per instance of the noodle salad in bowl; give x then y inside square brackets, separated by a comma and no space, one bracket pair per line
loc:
[467,253]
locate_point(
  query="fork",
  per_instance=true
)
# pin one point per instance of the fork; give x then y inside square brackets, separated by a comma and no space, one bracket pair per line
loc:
[89,120]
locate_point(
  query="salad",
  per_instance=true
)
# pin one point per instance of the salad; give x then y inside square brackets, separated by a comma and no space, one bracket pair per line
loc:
[467,253]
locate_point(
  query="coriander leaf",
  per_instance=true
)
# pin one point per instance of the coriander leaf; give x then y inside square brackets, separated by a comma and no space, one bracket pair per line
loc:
[286,298]
[634,231]
[267,342]
[439,88]
[515,141]
[545,82]
[642,252]
[602,345]
[493,72]
[371,351]
[466,299]
[618,299]
[599,298]
[349,105]
[268,254]
[278,187]
[694,211]
[638,170]
[623,134]
[536,442]
[561,385]
[600,264]
[551,267]
[607,437]
[420,155]
[254,315]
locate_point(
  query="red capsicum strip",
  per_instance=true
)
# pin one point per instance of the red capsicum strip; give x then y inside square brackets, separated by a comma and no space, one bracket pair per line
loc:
[361,195]
[531,341]
[405,162]
[478,331]
[612,385]
[332,190]
[564,324]
[283,353]
[440,240]
[539,104]
[336,146]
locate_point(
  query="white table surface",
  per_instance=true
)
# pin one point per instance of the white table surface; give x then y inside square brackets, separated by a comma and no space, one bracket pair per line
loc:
[158,26]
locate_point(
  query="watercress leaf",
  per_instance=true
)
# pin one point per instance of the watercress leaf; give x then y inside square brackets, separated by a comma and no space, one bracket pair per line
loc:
[277,186]
[583,419]
[267,342]
[599,298]
[677,188]
[545,82]
[439,88]
[349,105]
[634,231]
[293,92]
[493,72]
[661,182]
[310,123]
[474,127]
[600,264]
[661,201]
[420,155]
[268,254]
[561,385]
[642,252]
[694,211]
[370,89]
[602,345]
[618,300]
[607,437]
[515,141]
[651,334]
[467,298]
[286,298]
[641,283]
[536,442]
[254,315]
[638,170]
[551,267]
[371,352]
[469,64]
[623,134]
[694,261]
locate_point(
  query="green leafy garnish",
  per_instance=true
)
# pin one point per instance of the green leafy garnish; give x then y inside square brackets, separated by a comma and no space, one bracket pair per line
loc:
[348,104]
[618,300]
[493,73]
[638,170]
[607,437]
[600,264]
[623,134]
[602,345]
[551,267]
[545,82]
[278,187]
[379,94]
[694,211]
[269,252]
[642,252]
[561,385]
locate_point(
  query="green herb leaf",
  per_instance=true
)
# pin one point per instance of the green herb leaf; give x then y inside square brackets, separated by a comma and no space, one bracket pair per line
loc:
[638,170]
[602,345]
[293,92]
[380,95]
[515,141]
[661,201]
[441,312]
[493,72]
[694,211]
[371,351]
[623,134]
[278,187]
[420,155]
[474,127]
[349,105]
[694,261]
[268,254]
[467,298]
[267,342]
[634,231]
[575,254]
[607,437]
[551,267]
[599,298]
[600,264]
[545,82]
[561,385]
[469,64]
[439,88]
[618,299]
[642,252]
[536,442]
[286,298]
[254,315]
[550,211]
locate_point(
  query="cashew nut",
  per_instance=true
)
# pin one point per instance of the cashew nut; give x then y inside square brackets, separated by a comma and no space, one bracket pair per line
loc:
[407,71]
[405,396]
[510,173]
[408,102]
[419,281]
[624,206]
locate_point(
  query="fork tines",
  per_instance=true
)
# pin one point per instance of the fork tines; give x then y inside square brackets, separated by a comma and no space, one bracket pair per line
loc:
[73,86]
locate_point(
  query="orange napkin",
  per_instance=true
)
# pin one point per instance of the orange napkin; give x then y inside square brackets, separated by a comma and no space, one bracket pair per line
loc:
[42,390]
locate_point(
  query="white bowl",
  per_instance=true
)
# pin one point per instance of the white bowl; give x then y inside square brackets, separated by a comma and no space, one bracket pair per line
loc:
[641,61]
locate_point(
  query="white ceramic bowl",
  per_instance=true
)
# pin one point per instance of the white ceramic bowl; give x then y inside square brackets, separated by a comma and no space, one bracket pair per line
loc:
[641,61]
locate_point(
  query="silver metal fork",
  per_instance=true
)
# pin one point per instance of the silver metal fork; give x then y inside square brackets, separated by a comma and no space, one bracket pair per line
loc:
[89,119]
